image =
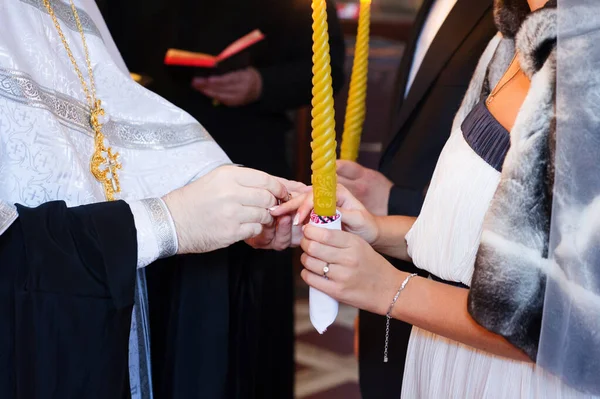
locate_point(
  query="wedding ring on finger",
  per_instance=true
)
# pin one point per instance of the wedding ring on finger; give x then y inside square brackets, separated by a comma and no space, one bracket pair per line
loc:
[281,201]
[326,270]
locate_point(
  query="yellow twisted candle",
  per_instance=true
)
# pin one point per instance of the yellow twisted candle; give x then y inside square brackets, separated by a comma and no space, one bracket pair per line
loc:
[323,144]
[356,108]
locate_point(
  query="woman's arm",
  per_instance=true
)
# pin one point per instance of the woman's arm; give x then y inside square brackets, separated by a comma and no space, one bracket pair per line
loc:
[391,236]
[361,277]
[442,309]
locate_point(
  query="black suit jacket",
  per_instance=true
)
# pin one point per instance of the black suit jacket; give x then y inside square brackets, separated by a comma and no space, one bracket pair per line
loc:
[421,125]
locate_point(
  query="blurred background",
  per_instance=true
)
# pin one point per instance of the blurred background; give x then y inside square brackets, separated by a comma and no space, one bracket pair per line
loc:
[326,367]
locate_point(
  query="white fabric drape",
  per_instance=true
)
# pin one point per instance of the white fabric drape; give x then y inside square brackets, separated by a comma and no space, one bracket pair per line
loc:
[570,342]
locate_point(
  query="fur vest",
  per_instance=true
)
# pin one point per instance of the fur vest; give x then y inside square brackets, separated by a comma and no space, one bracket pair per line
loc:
[507,289]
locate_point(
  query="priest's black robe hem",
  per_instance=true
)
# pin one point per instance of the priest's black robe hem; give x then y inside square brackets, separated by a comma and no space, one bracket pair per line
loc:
[67,279]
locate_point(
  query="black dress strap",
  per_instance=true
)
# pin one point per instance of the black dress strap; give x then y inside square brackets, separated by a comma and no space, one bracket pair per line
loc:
[486,136]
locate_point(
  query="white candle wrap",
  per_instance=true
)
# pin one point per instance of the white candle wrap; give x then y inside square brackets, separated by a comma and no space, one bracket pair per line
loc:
[323,308]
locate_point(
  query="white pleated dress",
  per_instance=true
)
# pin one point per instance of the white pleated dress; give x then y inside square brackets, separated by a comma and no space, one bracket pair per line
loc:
[444,241]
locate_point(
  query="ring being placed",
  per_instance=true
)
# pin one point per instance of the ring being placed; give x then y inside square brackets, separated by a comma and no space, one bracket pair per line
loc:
[326,270]
[281,201]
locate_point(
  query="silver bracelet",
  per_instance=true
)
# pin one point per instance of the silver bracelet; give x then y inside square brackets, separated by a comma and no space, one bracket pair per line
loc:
[388,316]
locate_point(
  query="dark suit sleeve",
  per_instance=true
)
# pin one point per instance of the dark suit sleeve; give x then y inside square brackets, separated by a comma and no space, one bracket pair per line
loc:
[405,201]
[287,84]
[67,279]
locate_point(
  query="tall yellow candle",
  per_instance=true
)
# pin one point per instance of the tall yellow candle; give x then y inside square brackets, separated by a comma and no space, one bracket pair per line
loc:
[324,179]
[356,108]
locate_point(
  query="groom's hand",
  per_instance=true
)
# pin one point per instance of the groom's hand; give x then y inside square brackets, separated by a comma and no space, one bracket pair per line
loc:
[369,186]
[227,205]
[277,235]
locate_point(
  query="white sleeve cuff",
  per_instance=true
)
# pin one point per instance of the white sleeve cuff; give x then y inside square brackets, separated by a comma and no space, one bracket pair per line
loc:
[156,234]
[8,214]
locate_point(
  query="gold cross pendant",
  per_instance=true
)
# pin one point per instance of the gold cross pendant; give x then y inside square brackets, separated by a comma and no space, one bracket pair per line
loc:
[104,164]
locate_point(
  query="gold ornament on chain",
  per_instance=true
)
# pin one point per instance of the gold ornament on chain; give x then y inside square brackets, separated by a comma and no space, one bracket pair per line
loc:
[104,164]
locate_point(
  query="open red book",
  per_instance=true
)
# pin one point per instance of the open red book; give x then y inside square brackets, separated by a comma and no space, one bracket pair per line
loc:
[184,58]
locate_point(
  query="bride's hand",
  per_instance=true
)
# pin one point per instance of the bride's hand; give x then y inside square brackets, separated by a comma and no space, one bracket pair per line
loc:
[281,234]
[358,275]
[356,219]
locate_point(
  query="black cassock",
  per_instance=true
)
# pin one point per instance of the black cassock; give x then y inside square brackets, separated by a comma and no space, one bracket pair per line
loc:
[260,301]
[67,278]
[66,294]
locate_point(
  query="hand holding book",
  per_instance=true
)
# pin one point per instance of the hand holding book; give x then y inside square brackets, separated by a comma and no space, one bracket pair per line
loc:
[235,56]
[227,78]
[233,89]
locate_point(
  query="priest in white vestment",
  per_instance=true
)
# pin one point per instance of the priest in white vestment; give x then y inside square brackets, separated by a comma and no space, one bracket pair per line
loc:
[68,257]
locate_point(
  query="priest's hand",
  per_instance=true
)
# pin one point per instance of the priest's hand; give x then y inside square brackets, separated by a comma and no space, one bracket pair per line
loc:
[227,205]
[369,186]
[233,89]
[282,234]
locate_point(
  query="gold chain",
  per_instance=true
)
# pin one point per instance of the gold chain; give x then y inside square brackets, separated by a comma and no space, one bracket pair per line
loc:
[104,163]
[499,86]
